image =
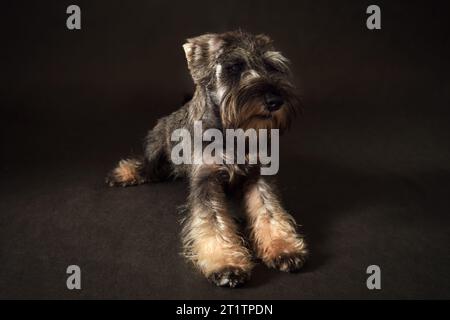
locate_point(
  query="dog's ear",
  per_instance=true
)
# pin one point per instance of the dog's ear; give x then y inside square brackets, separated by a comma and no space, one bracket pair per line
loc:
[264,41]
[201,54]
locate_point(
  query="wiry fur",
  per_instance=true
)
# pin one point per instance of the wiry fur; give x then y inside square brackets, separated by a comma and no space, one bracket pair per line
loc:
[233,73]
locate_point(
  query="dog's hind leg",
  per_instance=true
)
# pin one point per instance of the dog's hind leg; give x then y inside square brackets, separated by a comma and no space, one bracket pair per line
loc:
[128,172]
[152,167]
[157,164]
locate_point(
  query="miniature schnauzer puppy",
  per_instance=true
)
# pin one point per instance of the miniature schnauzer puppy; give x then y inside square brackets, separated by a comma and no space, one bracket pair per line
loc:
[241,82]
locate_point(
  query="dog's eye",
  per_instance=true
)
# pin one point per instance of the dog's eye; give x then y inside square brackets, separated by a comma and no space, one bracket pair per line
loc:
[272,68]
[235,68]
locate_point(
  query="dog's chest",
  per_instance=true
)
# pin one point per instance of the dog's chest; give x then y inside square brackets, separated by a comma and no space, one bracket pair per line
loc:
[235,175]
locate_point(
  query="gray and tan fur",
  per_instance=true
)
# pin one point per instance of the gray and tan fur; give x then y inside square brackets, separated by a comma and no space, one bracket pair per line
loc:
[241,82]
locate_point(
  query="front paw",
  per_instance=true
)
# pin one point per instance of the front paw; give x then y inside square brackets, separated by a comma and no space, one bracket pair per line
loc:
[291,262]
[230,277]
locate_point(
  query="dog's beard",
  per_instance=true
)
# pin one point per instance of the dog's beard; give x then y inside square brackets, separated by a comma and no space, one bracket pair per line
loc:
[243,106]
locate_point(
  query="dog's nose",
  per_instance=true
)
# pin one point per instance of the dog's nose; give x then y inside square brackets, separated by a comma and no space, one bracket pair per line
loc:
[273,101]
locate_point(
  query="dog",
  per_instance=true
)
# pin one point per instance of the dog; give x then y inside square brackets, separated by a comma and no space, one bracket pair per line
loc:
[241,81]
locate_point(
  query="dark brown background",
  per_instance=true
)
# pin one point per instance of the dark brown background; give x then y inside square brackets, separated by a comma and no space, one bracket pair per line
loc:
[365,170]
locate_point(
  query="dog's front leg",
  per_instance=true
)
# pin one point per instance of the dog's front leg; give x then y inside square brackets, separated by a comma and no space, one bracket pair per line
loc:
[210,236]
[273,230]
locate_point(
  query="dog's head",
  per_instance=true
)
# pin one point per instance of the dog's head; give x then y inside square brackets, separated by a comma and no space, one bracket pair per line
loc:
[245,77]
